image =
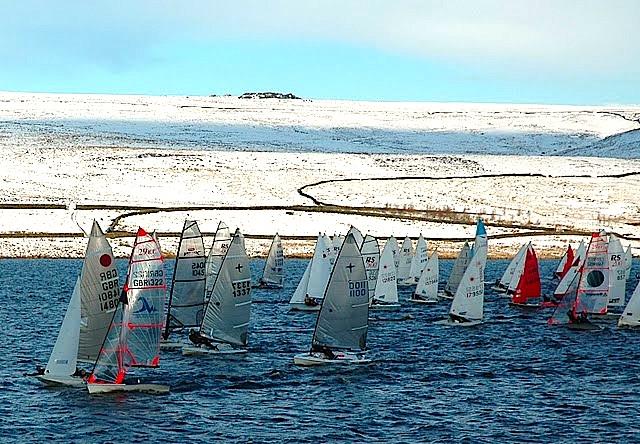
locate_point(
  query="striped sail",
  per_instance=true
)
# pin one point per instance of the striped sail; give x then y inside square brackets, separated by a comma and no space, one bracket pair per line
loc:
[226,318]
[99,291]
[343,318]
[186,300]
[273,272]
[133,339]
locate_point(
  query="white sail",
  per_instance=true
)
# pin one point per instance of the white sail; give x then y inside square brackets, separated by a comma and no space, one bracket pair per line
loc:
[301,289]
[328,249]
[581,252]
[565,283]
[406,256]
[320,269]
[186,299]
[427,287]
[99,292]
[386,287]
[631,315]
[337,241]
[226,318]
[64,356]
[508,275]
[418,261]
[518,270]
[273,272]
[218,249]
[357,235]
[617,273]
[458,269]
[468,302]
[480,246]
[593,287]
[395,250]
[628,260]
[343,319]
[371,257]
[133,339]
[563,262]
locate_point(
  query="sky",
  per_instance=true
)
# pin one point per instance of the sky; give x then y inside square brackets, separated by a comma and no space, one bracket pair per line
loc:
[515,51]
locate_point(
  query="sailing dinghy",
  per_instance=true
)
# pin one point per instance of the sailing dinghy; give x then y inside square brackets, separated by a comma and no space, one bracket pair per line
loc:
[340,335]
[630,317]
[617,274]
[628,260]
[565,263]
[427,289]
[225,324]
[571,311]
[371,256]
[502,284]
[418,261]
[310,289]
[467,307]
[385,295]
[528,287]
[273,272]
[404,264]
[133,339]
[219,247]
[457,271]
[88,315]
[186,298]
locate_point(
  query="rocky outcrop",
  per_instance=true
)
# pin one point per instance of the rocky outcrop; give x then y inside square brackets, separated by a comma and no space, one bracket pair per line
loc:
[268,95]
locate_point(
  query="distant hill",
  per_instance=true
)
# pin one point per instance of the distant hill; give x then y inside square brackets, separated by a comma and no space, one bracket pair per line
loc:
[268,95]
[624,145]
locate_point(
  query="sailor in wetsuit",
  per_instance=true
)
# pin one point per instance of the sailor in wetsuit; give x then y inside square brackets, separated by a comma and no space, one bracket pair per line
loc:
[198,339]
[39,371]
[457,318]
[326,351]
[580,318]
[308,300]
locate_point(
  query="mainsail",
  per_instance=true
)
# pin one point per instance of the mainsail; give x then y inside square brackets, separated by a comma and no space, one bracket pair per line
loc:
[508,275]
[480,246]
[273,272]
[343,318]
[631,315]
[427,287]
[219,248]
[593,287]
[406,257]
[320,268]
[628,260]
[226,318]
[418,261]
[395,250]
[186,300]
[468,302]
[386,289]
[133,339]
[459,266]
[99,291]
[518,271]
[371,256]
[357,235]
[617,272]
[565,262]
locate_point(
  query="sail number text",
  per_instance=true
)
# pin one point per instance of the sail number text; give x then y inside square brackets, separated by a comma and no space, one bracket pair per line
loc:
[241,288]
[108,298]
[358,289]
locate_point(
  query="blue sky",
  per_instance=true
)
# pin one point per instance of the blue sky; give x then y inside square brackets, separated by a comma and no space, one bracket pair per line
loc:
[520,51]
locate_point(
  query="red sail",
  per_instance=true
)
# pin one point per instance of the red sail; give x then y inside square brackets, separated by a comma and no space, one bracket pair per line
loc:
[568,263]
[529,283]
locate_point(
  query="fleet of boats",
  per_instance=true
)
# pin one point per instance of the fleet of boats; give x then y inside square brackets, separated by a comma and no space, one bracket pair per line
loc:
[208,306]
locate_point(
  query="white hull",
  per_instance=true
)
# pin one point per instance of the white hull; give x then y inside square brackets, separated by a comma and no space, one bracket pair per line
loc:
[445,296]
[385,307]
[73,381]
[191,350]
[310,360]
[303,307]
[627,325]
[451,323]
[423,301]
[109,388]
[499,289]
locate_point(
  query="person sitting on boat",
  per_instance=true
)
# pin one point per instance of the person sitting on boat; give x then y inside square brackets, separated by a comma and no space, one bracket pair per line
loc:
[39,371]
[198,339]
[577,318]
[82,373]
[457,318]
[308,300]
[326,351]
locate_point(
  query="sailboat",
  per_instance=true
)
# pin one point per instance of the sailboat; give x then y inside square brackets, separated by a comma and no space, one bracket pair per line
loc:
[418,261]
[630,317]
[427,289]
[225,324]
[617,273]
[628,260]
[133,339]
[502,284]
[88,314]
[395,250]
[528,287]
[480,247]
[340,335]
[357,235]
[564,285]
[518,271]
[467,307]
[310,289]
[457,271]
[273,271]
[385,294]
[371,256]
[405,259]
[186,298]
[593,286]
[337,241]
[565,263]
[219,247]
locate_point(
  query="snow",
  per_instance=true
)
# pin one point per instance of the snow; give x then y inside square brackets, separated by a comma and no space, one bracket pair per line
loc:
[197,157]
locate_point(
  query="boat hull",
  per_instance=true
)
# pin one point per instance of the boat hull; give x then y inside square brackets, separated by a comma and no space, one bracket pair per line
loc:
[385,307]
[585,326]
[526,307]
[311,360]
[192,350]
[303,307]
[96,389]
[423,301]
[72,381]
[445,296]
[450,323]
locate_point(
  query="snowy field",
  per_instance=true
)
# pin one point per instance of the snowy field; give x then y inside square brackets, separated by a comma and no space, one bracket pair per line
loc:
[246,161]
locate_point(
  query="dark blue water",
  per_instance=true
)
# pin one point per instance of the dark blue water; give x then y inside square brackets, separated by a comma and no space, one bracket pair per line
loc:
[513,379]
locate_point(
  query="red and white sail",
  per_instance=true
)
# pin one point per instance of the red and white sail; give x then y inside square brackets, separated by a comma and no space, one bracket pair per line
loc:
[528,287]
